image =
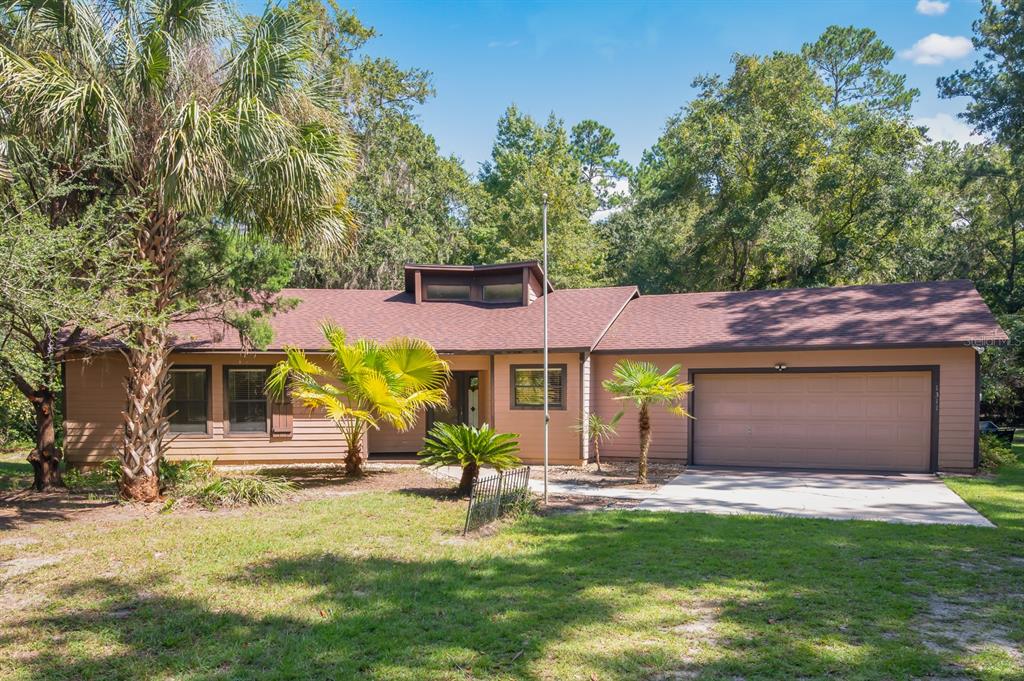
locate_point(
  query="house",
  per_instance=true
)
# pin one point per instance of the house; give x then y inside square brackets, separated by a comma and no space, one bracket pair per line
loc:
[880,377]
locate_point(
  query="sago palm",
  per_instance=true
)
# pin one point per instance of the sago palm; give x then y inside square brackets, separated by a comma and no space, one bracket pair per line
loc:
[470,448]
[598,431]
[198,115]
[368,384]
[643,384]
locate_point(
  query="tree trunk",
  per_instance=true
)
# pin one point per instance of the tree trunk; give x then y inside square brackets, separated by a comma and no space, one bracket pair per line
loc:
[469,473]
[45,458]
[645,445]
[597,455]
[354,455]
[148,390]
[145,421]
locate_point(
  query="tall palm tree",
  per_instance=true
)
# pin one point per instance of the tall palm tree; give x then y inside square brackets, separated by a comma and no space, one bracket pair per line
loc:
[643,384]
[370,383]
[199,114]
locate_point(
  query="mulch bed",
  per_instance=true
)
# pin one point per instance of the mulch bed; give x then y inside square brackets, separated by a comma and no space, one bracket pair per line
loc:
[615,473]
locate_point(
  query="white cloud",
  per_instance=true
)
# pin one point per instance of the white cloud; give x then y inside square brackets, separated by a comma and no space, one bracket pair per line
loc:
[620,188]
[932,8]
[945,128]
[935,49]
[502,44]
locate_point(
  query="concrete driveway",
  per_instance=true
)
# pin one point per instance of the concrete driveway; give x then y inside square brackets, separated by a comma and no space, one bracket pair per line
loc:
[897,498]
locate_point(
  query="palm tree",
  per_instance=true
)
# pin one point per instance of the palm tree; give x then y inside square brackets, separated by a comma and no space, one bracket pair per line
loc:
[376,383]
[643,384]
[598,431]
[200,117]
[470,448]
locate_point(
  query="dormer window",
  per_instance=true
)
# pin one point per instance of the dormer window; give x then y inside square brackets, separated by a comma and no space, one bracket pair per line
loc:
[503,293]
[500,285]
[448,292]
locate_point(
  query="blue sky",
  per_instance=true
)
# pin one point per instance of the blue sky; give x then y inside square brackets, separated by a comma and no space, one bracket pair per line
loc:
[629,65]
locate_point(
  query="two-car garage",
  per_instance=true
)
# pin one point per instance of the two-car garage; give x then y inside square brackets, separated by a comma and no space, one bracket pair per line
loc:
[876,418]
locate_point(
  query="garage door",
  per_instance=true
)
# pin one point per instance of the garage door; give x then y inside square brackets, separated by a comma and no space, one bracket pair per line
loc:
[863,421]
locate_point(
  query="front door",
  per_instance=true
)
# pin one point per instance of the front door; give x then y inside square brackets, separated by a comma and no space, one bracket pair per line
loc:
[463,401]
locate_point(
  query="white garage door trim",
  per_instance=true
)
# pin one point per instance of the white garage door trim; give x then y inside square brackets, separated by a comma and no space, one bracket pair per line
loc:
[933,465]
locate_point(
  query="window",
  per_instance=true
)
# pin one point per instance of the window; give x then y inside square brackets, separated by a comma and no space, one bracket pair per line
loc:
[528,387]
[188,406]
[448,291]
[503,293]
[247,403]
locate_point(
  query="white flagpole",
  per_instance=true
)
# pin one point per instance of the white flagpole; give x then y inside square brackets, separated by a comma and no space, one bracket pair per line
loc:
[547,418]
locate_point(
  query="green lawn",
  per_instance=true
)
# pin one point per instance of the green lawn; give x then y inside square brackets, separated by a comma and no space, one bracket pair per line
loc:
[15,471]
[380,586]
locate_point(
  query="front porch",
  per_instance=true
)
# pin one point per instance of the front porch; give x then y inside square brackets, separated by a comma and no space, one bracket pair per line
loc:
[497,389]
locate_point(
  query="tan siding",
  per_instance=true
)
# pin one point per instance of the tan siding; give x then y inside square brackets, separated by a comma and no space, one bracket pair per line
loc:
[956,404]
[564,442]
[389,440]
[96,395]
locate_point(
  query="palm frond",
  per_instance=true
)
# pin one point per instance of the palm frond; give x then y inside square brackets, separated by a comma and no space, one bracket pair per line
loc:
[415,363]
[643,383]
[460,445]
[269,56]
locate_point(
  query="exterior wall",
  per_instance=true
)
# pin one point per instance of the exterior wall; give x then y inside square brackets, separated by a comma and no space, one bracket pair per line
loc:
[564,442]
[534,287]
[95,398]
[388,440]
[957,419]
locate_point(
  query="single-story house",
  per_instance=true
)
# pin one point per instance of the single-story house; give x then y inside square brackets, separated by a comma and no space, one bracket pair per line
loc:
[878,377]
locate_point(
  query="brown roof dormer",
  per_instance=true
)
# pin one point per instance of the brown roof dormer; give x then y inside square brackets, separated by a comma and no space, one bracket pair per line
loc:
[510,284]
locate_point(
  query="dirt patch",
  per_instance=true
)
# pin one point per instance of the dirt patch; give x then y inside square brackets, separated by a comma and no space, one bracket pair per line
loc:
[325,481]
[562,503]
[962,626]
[23,566]
[23,509]
[616,473]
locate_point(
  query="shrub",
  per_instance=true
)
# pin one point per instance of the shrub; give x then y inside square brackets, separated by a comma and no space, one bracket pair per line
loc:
[470,448]
[250,490]
[995,452]
[178,473]
[92,479]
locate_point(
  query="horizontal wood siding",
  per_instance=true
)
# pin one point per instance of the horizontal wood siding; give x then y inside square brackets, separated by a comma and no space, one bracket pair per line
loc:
[669,432]
[95,396]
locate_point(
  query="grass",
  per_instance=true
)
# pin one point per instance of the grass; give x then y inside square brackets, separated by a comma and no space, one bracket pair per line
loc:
[15,471]
[380,586]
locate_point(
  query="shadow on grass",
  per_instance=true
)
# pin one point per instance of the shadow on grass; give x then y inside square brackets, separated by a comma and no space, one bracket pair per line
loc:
[612,593]
[406,479]
[15,474]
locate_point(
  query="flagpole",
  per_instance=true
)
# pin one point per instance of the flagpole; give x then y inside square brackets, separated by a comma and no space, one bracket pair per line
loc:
[547,418]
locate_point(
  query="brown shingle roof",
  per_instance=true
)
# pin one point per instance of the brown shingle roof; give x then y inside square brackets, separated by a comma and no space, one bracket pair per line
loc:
[578,318]
[930,313]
